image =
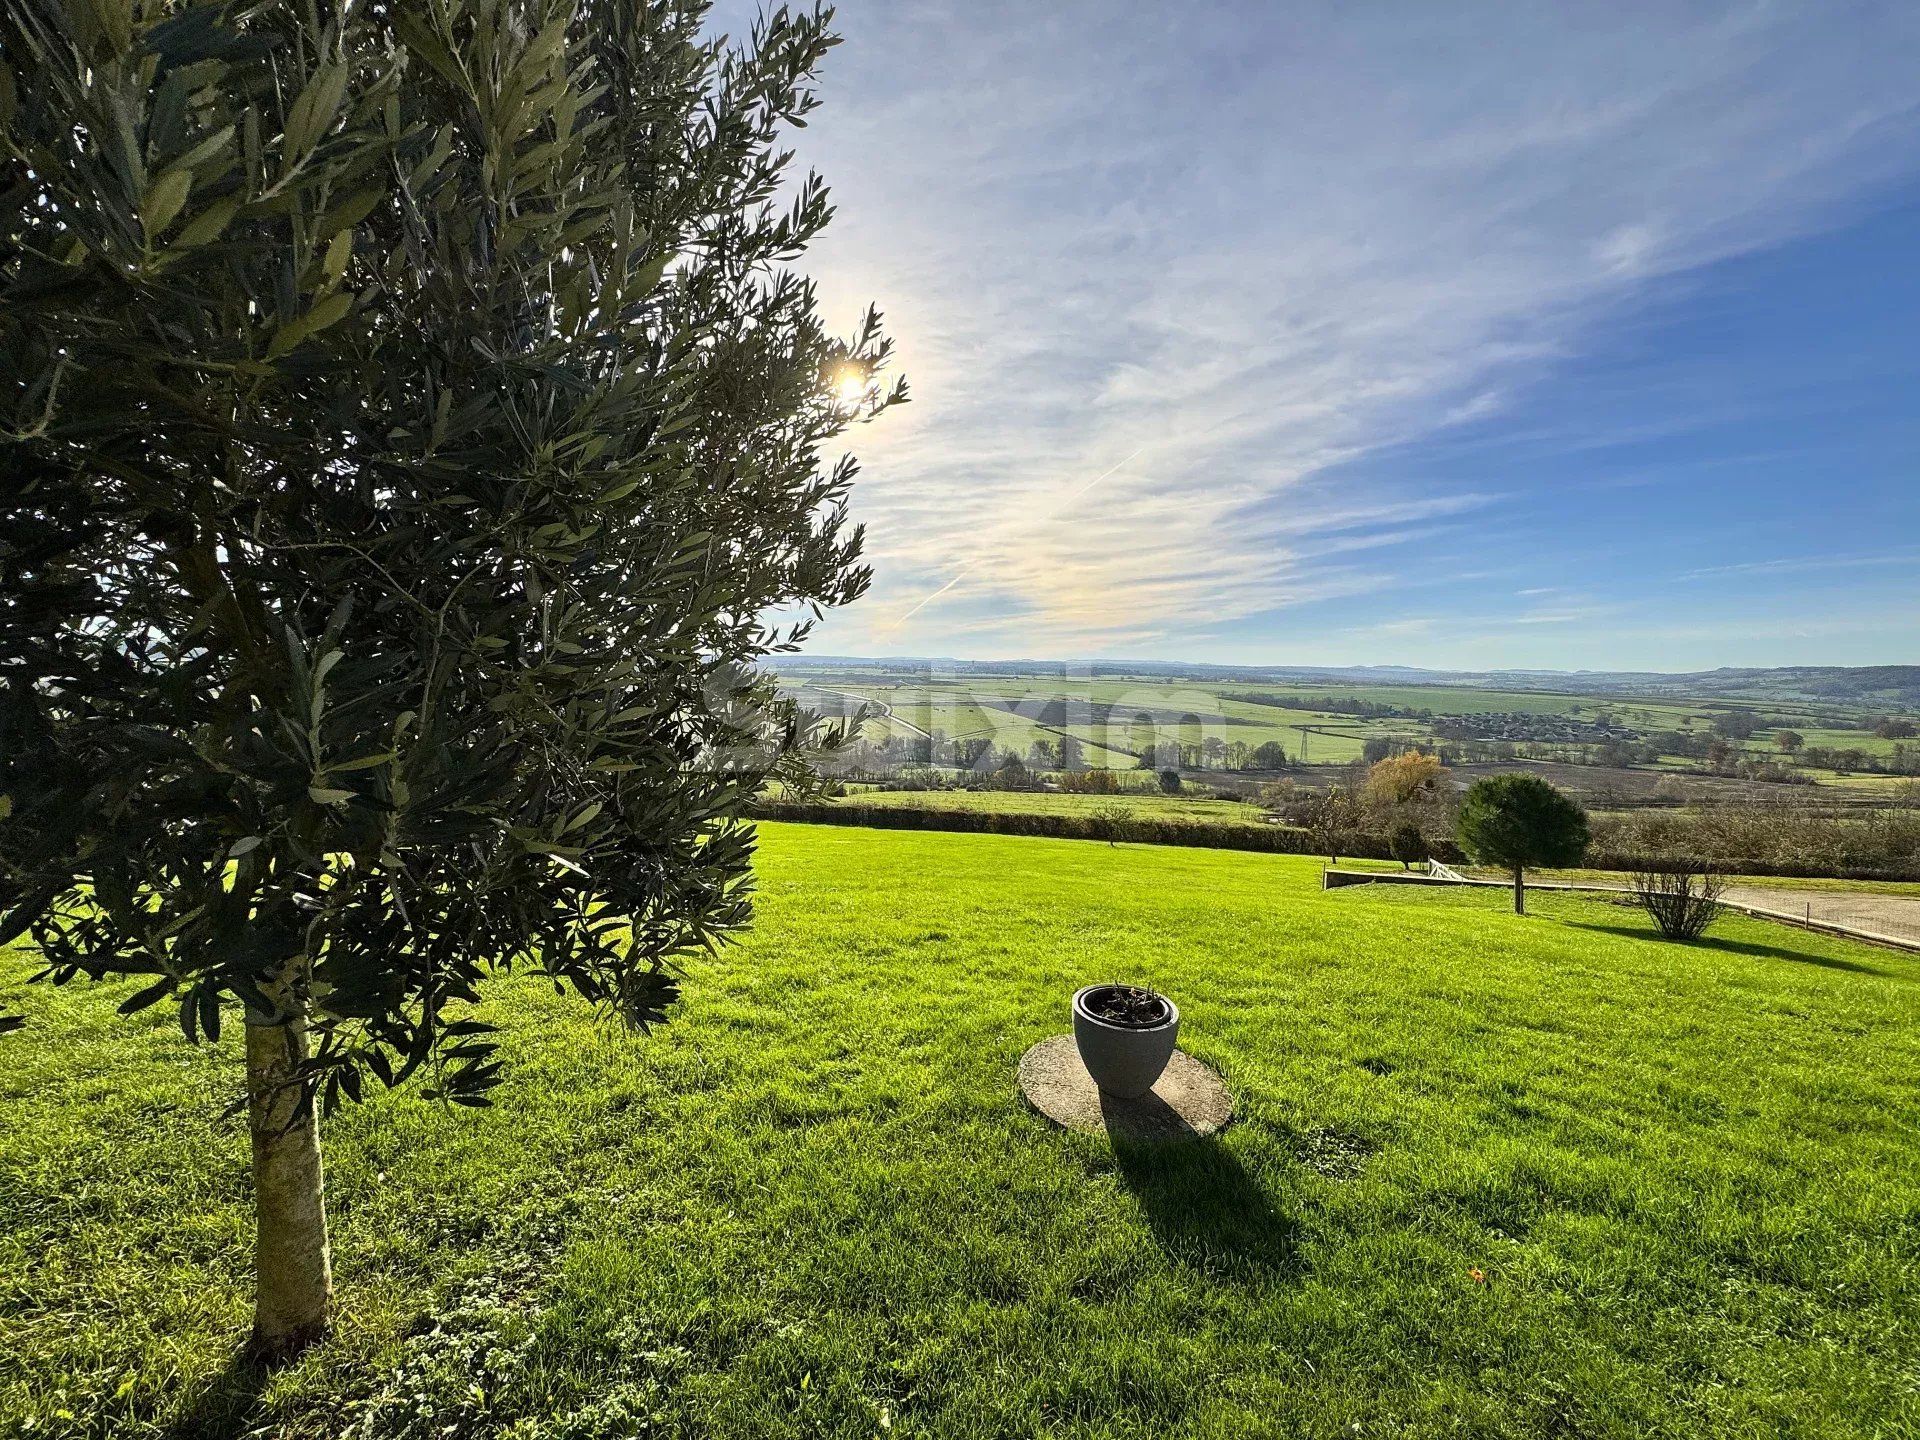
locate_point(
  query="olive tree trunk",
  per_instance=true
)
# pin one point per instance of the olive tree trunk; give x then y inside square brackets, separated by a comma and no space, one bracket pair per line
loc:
[1519,891]
[294,1289]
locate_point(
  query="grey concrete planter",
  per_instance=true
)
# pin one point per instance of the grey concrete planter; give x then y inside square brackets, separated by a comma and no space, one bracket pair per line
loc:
[1123,1062]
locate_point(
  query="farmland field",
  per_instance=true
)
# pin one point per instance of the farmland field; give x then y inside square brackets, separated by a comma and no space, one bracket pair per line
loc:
[1492,1175]
[1118,718]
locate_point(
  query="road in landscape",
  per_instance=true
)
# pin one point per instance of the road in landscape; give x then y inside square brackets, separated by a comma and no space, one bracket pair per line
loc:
[1866,910]
[884,710]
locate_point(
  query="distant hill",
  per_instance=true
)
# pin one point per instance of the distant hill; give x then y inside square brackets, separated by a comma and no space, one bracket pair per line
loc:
[1864,684]
[1894,685]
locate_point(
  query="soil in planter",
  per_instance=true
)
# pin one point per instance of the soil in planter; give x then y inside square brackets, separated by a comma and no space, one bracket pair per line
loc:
[1127,1006]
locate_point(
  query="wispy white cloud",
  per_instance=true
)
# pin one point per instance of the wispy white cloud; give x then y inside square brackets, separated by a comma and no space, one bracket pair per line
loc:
[1242,248]
[1793,564]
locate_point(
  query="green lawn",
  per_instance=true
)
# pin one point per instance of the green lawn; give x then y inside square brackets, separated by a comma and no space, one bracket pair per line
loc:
[1686,1177]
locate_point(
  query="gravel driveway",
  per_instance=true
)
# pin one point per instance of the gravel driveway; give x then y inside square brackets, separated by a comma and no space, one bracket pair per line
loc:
[1897,916]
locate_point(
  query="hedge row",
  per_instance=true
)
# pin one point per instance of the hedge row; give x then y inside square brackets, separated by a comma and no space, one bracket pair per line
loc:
[1269,840]
[1810,869]
[1131,829]
[1773,841]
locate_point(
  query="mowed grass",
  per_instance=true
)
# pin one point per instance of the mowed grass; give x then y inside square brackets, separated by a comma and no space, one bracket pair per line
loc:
[1491,1175]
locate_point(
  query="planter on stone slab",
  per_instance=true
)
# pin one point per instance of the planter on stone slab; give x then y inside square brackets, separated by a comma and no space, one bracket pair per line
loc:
[1125,1036]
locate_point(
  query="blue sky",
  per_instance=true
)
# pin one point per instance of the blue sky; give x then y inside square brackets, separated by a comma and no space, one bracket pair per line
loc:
[1448,335]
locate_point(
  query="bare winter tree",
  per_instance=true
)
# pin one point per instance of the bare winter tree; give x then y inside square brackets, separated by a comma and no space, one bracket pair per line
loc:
[1683,899]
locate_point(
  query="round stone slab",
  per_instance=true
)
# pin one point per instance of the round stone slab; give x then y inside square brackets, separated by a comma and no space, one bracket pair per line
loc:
[1189,1099]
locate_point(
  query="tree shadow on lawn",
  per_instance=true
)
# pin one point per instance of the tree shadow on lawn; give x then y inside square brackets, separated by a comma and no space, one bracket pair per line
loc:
[1741,947]
[1203,1207]
[224,1406]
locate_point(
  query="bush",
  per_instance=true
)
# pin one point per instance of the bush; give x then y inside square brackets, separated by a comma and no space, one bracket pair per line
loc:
[1672,790]
[1090,782]
[1408,845]
[1682,901]
[1170,781]
[1278,794]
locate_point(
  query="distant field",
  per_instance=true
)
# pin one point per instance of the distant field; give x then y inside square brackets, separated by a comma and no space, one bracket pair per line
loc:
[924,710]
[1869,785]
[1447,700]
[1864,740]
[1115,715]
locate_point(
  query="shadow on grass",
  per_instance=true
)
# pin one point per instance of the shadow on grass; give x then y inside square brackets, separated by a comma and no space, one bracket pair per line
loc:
[1740,947]
[1204,1208]
[224,1407]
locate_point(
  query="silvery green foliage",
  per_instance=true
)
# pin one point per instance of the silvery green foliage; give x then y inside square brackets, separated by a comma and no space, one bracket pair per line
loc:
[406,420]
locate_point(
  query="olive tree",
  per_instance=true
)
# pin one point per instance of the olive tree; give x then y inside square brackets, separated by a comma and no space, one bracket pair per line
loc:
[1514,821]
[411,424]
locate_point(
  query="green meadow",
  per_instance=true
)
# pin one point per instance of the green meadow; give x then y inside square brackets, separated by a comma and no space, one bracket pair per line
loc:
[983,704]
[1490,1175]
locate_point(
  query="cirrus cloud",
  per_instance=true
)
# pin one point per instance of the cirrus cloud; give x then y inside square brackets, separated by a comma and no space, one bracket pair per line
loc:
[1217,257]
